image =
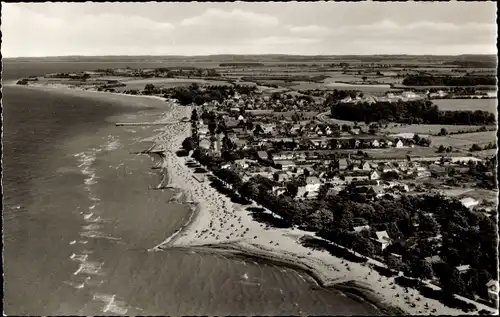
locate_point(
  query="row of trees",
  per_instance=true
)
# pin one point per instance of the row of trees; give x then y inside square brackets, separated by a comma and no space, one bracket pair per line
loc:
[489,146]
[410,112]
[195,94]
[450,81]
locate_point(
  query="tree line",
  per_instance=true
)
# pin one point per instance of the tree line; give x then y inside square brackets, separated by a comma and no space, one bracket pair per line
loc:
[410,112]
[414,80]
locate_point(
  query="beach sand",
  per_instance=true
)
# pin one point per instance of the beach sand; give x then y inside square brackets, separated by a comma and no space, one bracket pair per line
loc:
[219,225]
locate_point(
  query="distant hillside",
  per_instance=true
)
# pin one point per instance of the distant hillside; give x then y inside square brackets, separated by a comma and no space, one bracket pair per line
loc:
[475,61]
[487,61]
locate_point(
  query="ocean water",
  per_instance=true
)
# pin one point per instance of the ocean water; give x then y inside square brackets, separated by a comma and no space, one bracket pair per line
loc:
[80,214]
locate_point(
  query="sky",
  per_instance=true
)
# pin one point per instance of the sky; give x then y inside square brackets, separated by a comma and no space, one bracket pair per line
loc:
[204,28]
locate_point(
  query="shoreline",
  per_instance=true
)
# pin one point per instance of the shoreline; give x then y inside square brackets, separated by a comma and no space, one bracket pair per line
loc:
[316,264]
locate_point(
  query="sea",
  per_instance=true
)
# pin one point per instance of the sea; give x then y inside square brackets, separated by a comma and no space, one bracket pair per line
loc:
[80,213]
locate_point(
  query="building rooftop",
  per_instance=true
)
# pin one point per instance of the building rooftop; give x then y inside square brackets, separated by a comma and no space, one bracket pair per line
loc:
[382,236]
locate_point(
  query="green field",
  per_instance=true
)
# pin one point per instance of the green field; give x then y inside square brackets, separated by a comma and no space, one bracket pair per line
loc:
[467,104]
[464,140]
[430,128]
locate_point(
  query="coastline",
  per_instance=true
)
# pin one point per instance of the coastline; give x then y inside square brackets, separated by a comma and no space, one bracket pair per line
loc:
[217,214]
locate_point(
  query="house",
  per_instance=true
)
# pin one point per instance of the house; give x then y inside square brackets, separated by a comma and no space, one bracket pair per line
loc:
[469,202]
[336,181]
[382,241]
[281,176]
[350,179]
[375,143]
[287,165]
[462,268]
[312,184]
[399,144]
[283,156]
[409,95]
[262,155]
[366,166]
[492,286]
[376,190]
[389,143]
[374,176]
[203,130]
[342,164]
[423,174]
[361,228]
[332,192]
[433,259]
[205,144]
[242,164]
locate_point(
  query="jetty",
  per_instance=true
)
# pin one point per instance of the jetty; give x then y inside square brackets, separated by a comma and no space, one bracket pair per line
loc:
[127,124]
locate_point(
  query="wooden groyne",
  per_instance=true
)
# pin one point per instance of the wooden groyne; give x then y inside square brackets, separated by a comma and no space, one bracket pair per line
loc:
[124,124]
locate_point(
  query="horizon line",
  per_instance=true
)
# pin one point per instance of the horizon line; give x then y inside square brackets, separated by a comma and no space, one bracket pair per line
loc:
[263,54]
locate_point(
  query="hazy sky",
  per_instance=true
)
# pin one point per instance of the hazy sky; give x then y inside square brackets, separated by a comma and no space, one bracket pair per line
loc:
[329,28]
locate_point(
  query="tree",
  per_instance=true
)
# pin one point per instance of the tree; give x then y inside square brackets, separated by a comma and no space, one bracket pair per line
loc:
[292,189]
[258,130]
[364,78]
[443,132]
[475,148]
[249,190]
[194,115]
[441,149]
[188,144]
[149,87]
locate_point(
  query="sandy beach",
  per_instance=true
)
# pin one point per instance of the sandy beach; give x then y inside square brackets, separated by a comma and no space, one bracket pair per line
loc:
[219,225]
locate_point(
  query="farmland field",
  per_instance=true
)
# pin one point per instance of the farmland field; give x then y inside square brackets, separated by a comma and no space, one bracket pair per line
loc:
[467,104]
[431,128]
[168,83]
[464,140]
[364,88]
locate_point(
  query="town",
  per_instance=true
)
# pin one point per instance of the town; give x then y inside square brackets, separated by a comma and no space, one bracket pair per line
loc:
[401,175]
[358,186]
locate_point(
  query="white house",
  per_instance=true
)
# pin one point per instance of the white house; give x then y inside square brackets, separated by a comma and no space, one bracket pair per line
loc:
[342,164]
[283,156]
[375,143]
[312,184]
[374,175]
[389,143]
[350,179]
[361,228]
[383,240]
[287,165]
[242,164]
[462,268]
[203,130]
[366,166]
[205,144]
[469,202]
[492,286]
[399,144]
[409,95]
